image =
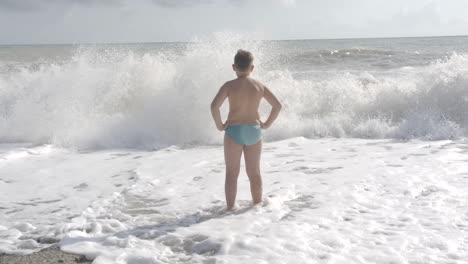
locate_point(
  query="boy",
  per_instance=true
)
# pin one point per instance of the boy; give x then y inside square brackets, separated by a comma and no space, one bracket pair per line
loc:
[243,126]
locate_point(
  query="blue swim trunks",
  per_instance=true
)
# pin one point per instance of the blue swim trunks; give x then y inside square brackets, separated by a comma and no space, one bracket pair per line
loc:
[245,134]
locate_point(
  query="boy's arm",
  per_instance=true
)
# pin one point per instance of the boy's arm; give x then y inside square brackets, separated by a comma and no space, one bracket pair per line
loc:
[275,107]
[216,104]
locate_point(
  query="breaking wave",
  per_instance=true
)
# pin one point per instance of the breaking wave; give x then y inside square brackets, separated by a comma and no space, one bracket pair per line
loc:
[102,98]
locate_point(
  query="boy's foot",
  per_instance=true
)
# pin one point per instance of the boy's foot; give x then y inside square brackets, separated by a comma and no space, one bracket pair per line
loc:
[232,209]
[258,205]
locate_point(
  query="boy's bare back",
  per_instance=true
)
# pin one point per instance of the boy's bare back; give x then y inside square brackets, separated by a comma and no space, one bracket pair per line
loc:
[244,95]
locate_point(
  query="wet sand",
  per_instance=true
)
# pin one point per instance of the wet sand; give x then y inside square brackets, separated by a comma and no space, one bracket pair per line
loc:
[50,255]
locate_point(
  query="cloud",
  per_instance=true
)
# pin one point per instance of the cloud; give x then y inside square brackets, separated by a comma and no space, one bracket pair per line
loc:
[192,3]
[19,4]
[181,3]
[288,2]
[27,5]
[422,20]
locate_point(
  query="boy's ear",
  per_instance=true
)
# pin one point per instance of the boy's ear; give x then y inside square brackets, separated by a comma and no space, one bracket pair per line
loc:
[234,67]
[251,68]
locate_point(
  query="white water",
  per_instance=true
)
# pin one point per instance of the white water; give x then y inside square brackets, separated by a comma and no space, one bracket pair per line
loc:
[114,97]
[326,201]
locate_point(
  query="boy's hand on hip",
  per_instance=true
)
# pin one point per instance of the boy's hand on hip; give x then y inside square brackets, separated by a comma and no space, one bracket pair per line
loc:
[263,125]
[224,126]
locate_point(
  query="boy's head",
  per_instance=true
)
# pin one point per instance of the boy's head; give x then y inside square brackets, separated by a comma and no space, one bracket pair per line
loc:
[243,62]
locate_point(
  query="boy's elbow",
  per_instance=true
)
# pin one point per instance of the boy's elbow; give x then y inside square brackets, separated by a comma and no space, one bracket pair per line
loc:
[279,106]
[212,105]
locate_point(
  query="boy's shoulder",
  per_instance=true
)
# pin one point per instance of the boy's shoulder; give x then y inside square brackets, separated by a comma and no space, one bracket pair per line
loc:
[230,82]
[256,81]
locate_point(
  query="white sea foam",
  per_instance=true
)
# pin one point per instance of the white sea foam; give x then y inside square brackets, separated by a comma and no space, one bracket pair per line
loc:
[326,201]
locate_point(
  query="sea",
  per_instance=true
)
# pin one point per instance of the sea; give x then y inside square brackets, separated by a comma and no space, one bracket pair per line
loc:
[110,151]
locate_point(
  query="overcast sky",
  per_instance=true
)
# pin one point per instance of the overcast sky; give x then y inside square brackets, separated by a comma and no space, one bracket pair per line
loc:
[96,21]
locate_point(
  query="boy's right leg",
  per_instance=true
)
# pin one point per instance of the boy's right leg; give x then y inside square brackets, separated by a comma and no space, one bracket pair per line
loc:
[232,156]
[252,155]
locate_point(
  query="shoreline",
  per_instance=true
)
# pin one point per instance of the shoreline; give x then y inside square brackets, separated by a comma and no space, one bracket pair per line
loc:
[49,255]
